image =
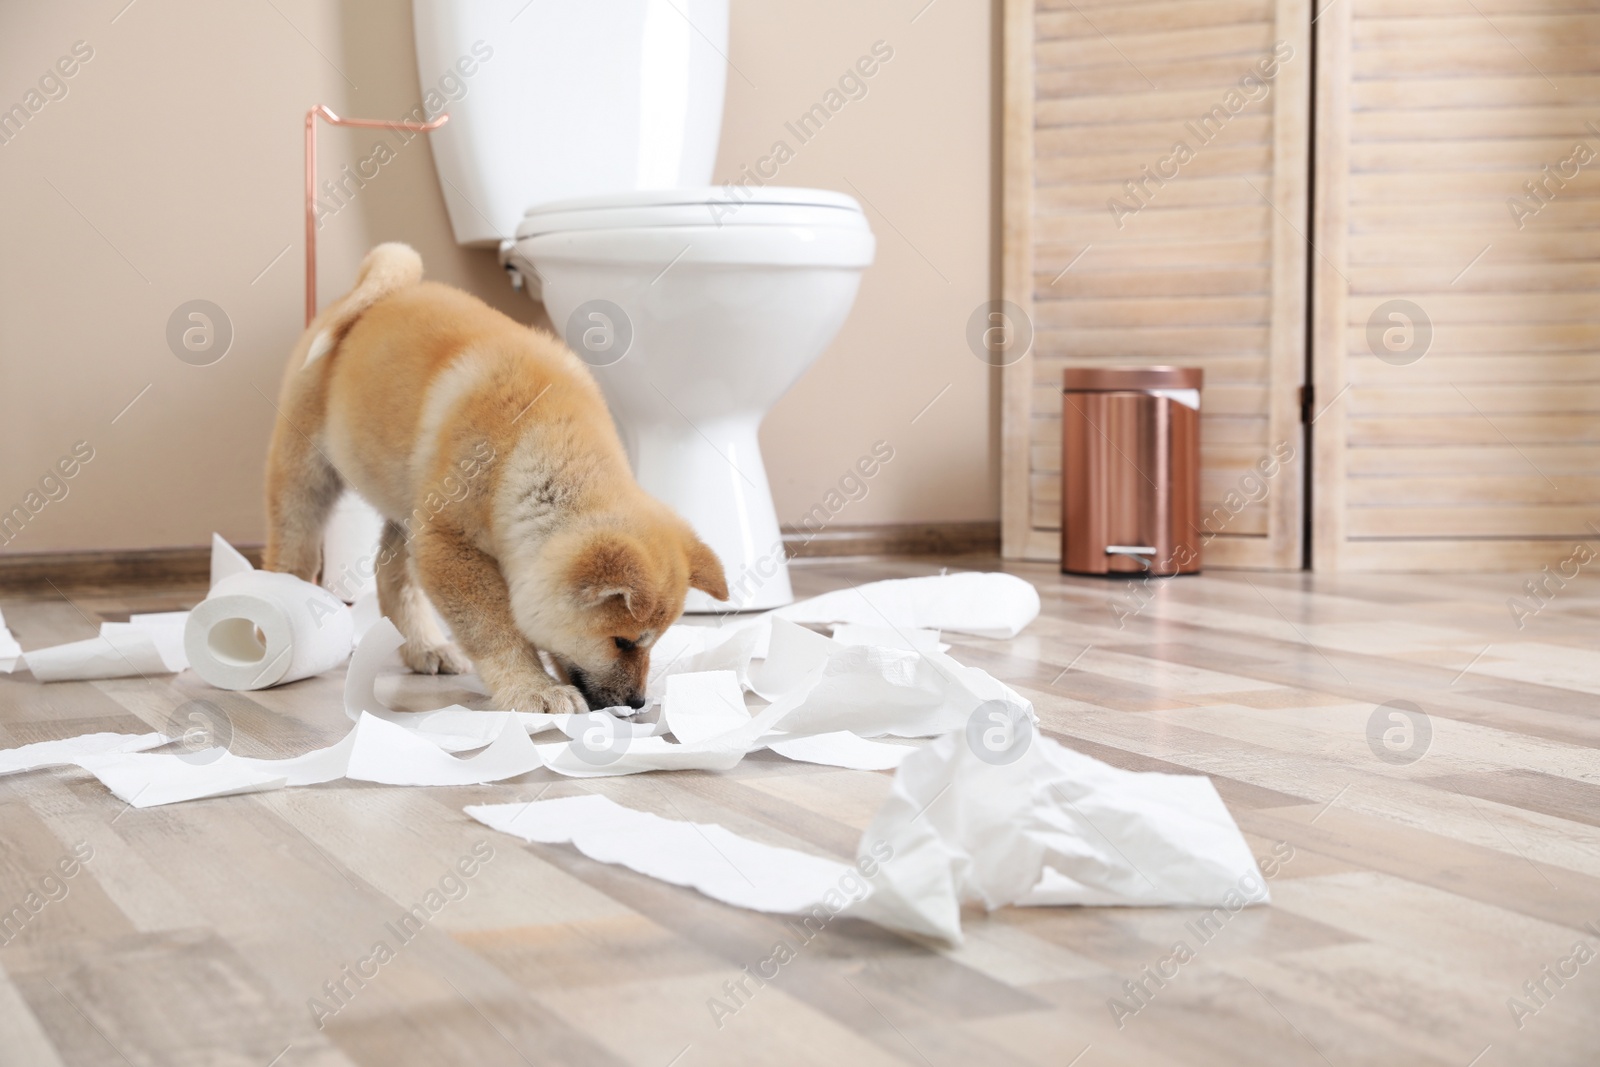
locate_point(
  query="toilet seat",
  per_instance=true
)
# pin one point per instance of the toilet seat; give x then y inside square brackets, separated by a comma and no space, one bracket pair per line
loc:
[680,246]
[777,227]
[714,206]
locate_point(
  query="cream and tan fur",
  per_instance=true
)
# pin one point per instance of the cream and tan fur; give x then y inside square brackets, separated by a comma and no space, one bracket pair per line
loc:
[510,504]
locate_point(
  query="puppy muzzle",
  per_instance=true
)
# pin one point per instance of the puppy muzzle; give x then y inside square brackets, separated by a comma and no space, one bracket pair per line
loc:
[598,696]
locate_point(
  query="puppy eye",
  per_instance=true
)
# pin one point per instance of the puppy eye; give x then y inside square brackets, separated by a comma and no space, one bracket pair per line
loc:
[623,644]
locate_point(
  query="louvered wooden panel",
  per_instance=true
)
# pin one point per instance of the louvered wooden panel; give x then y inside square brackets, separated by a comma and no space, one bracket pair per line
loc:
[1485,451]
[1209,271]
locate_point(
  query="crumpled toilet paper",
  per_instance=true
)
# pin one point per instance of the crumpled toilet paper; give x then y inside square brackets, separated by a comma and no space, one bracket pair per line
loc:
[911,640]
[903,613]
[1051,827]
[872,691]
[703,705]
[826,699]
[687,649]
[455,728]
[843,749]
[794,659]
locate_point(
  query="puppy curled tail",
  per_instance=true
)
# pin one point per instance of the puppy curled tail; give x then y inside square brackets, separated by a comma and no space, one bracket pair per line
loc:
[386,268]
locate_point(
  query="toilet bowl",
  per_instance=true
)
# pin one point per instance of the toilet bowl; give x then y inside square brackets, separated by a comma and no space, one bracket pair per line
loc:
[581,142]
[696,316]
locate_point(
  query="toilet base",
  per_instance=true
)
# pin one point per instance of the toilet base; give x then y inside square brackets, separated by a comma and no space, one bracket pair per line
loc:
[712,474]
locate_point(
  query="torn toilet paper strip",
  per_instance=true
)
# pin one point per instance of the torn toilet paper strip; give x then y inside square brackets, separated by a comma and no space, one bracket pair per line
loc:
[68,750]
[602,752]
[703,705]
[1052,827]
[373,751]
[145,644]
[703,856]
[795,658]
[687,649]
[165,630]
[150,779]
[876,691]
[365,613]
[121,651]
[10,651]
[226,561]
[982,603]
[393,755]
[454,728]
[843,749]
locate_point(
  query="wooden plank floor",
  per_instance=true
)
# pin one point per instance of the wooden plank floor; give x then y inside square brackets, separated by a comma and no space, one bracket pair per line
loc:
[1418,883]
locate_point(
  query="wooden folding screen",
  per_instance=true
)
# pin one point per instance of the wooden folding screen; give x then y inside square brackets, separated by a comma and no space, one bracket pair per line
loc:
[1457,283]
[1156,174]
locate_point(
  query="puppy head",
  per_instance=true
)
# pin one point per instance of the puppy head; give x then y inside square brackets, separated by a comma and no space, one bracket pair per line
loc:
[605,593]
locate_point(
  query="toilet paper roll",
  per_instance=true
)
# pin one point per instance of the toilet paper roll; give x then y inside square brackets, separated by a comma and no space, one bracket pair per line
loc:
[260,629]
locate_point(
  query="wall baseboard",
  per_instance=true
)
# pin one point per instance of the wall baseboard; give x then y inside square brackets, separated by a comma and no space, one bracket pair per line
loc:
[895,539]
[36,572]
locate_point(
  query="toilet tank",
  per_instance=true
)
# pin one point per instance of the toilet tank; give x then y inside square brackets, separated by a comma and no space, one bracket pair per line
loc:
[551,99]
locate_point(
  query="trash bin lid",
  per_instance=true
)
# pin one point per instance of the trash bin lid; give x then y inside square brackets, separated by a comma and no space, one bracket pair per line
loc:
[1117,379]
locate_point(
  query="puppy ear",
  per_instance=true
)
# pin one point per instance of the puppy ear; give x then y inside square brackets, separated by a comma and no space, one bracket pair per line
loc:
[611,564]
[705,570]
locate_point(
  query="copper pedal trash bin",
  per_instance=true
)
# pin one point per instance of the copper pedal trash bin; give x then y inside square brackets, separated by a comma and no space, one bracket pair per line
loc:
[1130,470]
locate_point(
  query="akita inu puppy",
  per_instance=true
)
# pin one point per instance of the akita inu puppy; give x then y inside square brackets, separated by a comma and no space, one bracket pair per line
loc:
[487,446]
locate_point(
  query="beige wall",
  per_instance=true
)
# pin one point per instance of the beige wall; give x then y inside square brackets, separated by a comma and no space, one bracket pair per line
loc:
[170,171]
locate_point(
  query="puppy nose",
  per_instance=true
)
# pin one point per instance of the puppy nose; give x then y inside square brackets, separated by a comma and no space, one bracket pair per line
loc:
[636,701]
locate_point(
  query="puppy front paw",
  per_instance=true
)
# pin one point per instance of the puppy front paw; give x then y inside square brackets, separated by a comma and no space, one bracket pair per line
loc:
[441,658]
[548,699]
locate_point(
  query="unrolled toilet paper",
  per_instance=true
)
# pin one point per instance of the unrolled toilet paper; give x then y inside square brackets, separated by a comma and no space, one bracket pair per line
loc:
[1053,827]
[982,603]
[122,650]
[71,749]
[260,628]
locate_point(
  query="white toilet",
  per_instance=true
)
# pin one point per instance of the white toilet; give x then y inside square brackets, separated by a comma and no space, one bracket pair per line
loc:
[582,145]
